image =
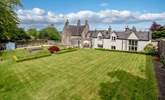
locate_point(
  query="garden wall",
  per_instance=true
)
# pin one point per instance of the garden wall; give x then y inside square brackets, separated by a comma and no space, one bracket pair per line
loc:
[162,47]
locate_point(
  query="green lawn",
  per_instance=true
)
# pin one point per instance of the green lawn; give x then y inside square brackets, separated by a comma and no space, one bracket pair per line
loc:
[84,74]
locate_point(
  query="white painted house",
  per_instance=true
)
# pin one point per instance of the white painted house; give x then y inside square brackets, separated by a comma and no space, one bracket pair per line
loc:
[128,40]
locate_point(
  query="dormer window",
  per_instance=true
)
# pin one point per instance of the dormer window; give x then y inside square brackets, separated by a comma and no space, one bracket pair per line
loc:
[113,38]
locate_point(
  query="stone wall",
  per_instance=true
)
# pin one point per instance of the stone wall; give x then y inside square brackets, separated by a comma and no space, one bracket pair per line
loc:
[162,47]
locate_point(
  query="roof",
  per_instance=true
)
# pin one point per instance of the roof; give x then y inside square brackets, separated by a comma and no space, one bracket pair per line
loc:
[75,30]
[104,33]
[122,34]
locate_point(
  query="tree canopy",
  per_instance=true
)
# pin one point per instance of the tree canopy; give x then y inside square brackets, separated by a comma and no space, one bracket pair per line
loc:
[8,19]
[33,33]
[158,31]
[49,32]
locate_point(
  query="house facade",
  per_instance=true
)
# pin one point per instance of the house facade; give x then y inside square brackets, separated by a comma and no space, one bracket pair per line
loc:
[126,40]
[76,35]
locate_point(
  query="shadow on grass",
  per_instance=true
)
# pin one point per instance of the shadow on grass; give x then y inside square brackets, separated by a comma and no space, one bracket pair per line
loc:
[125,86]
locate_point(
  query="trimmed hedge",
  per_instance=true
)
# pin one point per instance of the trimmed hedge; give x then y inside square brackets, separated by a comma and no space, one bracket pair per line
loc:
[39,54]
[66,50]
[102,49]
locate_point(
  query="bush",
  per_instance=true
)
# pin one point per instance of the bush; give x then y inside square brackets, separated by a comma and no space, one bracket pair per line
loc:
[162,59]
[53,49]
[150,49]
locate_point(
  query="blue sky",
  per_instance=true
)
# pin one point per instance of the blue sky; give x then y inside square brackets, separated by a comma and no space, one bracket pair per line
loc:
[100,13]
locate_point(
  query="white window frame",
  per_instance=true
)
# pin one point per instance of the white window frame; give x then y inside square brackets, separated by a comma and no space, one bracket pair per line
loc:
[113,38]
[133,45]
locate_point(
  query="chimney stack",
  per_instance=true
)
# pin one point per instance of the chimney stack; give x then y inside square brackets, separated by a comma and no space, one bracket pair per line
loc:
[109,29]
[86,22]
[78,23]
[134,29]
[67,22]
[127,29]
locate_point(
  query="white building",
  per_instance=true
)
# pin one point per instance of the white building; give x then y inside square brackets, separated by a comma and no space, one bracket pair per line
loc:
[128,40]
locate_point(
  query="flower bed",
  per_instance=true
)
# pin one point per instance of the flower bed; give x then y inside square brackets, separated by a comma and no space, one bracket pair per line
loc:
[53,49]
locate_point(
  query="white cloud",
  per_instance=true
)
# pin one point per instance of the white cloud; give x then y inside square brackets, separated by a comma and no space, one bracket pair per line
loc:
[38,11]
[40,16]
[152,16]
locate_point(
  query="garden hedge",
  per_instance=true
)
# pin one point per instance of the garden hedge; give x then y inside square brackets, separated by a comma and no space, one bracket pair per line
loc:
[32,56]
[67,50]
[101,49]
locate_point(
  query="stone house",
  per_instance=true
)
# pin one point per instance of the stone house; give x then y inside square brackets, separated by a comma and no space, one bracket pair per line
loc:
[76,35]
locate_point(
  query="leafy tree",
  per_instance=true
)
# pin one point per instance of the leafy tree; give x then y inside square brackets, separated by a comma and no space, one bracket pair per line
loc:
[33,33]
[158,34]
[50,32]
[21,34]
[8,19]
[158,31]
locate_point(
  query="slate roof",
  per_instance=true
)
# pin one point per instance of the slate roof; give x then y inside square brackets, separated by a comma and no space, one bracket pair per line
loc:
[122,34]
[105,33]
[75,30]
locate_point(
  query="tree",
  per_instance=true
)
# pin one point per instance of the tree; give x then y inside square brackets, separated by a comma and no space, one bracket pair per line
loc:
[158,31]
[21,34]
[50,32]
[33,33]
[155,27]
[158,34]
[8,19]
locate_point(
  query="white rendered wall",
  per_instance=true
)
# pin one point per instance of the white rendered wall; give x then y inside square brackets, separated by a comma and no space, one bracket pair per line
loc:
[142,44]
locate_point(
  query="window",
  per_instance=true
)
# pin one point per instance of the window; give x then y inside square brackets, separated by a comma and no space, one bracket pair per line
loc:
[113,47]
[113,38]
[100,45]
[100,38]
[133,44]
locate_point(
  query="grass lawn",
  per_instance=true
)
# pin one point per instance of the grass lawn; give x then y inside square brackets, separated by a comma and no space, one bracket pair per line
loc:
[84,74]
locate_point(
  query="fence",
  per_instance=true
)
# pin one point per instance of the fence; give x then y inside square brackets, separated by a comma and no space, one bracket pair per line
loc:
[20,44]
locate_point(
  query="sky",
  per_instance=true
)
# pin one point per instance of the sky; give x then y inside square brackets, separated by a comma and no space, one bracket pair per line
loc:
[100,13]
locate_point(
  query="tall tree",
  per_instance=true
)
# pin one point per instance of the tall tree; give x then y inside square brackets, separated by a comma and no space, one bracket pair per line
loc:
[8,18]
[50,32]
[33,33]
[158,31]
[155,27]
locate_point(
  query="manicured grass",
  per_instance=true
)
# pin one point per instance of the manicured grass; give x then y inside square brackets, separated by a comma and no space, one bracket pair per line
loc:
[84,74]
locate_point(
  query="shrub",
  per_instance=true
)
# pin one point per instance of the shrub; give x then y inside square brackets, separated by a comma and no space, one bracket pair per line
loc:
[150,49]
[53,49]
[162,59]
